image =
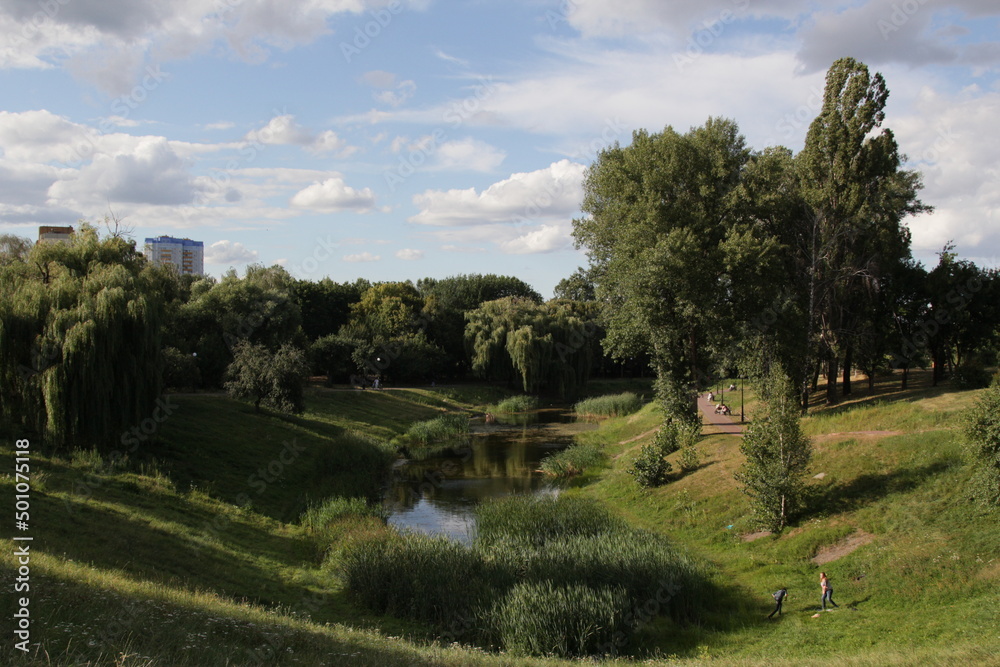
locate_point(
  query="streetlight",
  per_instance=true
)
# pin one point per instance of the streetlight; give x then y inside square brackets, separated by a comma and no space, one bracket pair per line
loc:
[742,382]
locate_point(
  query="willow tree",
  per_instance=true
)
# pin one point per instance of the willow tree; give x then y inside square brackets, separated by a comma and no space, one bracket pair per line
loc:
[80,340]
[544,347]
[669,250]
[857,195]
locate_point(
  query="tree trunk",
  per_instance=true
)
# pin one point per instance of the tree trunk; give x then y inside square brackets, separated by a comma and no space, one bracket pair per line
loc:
[815,380]
[848,359]
[906,378]
[831,378]
[871,382]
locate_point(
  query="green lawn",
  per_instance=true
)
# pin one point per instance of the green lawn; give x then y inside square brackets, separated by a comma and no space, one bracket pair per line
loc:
[190,553]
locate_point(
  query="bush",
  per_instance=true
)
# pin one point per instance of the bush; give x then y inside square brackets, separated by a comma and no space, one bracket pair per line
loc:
[515,404]
[982,438]
[566,621]
[971,375]
[650,468]
[180,371]
[612,405]
[573,460]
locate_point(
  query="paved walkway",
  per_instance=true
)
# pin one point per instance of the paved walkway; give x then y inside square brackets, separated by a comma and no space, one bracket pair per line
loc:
[723,423]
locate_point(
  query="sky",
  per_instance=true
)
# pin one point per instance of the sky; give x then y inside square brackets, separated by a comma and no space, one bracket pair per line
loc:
[403,139]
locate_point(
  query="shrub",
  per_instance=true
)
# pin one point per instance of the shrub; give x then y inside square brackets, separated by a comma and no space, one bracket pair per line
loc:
[971,375]
[573,460]
[982,438]
[539,618]
[522,403]
[650,468]
[612,405]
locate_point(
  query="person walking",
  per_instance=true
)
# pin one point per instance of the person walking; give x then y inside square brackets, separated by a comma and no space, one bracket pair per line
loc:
[824,583]
[779,597]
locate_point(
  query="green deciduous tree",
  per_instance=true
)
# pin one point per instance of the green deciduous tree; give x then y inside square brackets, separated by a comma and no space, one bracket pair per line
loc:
[272,379]
[777,454]
[670,251]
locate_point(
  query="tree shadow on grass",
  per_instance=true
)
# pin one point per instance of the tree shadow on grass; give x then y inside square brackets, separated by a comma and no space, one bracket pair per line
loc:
[869,487]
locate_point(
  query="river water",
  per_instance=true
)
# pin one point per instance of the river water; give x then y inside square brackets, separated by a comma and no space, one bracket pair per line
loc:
[437,493]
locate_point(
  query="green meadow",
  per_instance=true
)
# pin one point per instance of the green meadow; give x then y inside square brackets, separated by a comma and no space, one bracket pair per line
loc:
[221,540]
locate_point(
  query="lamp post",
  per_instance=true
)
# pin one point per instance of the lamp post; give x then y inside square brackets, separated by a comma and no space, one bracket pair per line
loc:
[742,382]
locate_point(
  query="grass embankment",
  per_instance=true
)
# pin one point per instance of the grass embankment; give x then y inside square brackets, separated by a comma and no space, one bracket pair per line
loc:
[158,562]
[921,588]
[193,553]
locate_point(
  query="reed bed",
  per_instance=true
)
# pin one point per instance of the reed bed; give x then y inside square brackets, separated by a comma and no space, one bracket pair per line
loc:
[574,460]
[545,576]
[514,404]
[611,405]
[437,429]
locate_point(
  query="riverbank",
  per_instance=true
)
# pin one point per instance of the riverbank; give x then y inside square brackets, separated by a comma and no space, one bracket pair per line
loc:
[156,562]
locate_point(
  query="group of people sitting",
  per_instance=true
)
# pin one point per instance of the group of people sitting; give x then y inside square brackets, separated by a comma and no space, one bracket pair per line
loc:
[721,408]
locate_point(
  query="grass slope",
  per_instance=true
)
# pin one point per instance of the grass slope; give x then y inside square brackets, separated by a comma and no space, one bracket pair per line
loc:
[159,562]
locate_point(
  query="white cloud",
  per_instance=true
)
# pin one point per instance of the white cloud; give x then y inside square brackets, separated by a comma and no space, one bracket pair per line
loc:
[410,254]
[150,172]
[403,91]
[468,154]
[281,130]
[362,257]
[284,130]
[333,194]
[951,140]
[221,125]
[229,252]
[546,238]
[555,191]
[107,42]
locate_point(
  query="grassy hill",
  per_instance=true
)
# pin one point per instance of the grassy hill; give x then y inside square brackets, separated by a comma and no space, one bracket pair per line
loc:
[192,554]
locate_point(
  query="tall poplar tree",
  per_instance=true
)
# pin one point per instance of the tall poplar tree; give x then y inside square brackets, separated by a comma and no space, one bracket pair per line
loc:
[856,195]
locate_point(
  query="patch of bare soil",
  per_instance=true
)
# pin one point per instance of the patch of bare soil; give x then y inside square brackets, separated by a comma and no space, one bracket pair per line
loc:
[750,537]
[858,538]
[631,440]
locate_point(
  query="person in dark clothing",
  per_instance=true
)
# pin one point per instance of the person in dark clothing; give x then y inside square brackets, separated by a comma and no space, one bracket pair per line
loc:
[779,597]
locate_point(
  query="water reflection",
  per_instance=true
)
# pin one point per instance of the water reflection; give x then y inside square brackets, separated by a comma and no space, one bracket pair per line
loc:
[436,491]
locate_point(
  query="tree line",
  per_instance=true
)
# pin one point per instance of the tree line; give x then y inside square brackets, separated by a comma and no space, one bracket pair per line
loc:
[715,258]
[91,333]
